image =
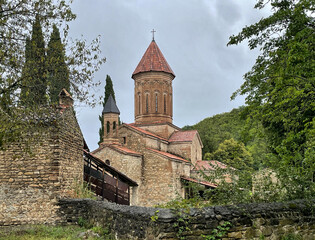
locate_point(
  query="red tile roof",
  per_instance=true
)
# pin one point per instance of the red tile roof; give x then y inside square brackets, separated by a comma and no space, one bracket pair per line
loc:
[124,149]
[145,132]
[209,165]
[117,147]
[183,136]
[157,123]
[205,183]
[169,155]
[153,60]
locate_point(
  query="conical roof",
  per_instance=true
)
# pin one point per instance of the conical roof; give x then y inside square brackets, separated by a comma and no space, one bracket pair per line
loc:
[110,106]
[153,60]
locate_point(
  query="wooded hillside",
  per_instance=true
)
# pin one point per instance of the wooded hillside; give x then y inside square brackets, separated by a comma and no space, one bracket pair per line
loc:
[232,125]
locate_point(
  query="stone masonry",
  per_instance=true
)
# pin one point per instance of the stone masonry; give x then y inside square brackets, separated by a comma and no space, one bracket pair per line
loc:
[152,151]
[269,221]
[40,168]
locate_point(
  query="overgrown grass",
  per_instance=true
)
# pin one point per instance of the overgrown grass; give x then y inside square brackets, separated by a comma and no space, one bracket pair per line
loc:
[52,233]
[82,190]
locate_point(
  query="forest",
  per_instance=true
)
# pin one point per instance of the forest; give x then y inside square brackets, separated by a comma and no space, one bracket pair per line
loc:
[231,130]
[270,142]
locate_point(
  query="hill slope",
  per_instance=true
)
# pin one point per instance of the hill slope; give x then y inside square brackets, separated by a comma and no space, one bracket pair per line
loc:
[214,130]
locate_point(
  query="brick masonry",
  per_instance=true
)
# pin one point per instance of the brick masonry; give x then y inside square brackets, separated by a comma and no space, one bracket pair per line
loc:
[40,168]
[248,221]
[153,97]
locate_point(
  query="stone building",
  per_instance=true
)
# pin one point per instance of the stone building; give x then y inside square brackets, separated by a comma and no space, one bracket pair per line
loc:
[42,166]
[152,151]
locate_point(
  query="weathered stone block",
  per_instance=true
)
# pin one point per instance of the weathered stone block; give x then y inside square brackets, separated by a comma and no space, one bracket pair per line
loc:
[235,235]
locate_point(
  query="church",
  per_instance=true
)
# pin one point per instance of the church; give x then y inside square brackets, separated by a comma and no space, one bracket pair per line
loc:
[159,156]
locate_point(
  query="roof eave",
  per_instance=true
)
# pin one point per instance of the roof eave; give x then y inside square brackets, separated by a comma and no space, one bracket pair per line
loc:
[135,73]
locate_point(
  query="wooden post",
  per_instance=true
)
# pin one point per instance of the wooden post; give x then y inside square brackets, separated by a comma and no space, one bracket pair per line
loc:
[103,178]
[116,199]
[89,171]
[128,195]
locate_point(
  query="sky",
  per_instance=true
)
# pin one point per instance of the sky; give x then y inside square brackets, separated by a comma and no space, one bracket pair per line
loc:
[192,36]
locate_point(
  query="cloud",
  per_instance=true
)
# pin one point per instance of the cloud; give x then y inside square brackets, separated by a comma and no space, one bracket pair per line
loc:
[192,35]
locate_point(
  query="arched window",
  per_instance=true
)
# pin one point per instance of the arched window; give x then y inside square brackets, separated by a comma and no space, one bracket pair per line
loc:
[147,103]
[164,103]
[170,104]
[156,102]
[107,127]
[114,125]
[139,102]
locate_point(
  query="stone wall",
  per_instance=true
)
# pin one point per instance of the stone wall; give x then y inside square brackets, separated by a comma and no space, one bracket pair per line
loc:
[182,149]
[252,221]
[137,141]
[161,179]
[70,155]
[129,164]
[164,130]
[188,150]
[40,168]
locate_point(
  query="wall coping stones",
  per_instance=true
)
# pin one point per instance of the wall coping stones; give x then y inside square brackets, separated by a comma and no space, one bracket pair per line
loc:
[134,222]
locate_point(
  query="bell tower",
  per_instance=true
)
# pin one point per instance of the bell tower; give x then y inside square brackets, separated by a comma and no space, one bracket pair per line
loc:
[111,117]
[153,88]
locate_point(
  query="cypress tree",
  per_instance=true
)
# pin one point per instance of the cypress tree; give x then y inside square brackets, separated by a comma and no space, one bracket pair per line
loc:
[34,83]
[109,90]
[58,73]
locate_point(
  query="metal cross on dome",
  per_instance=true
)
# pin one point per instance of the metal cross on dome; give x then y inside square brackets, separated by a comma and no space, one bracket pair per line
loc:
[153,31]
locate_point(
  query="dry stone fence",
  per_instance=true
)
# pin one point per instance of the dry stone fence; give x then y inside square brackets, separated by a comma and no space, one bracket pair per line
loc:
[247,221]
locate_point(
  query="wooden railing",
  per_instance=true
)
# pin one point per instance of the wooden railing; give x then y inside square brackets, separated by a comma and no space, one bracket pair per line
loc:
[105,181]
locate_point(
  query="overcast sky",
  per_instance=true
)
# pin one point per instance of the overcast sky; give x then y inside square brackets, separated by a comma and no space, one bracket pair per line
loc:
[192,36]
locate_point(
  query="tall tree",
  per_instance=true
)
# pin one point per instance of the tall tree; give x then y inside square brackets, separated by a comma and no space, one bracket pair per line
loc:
[280,88]
[109,90]
[16,21]
[232,153]
[58,73]
[34,83]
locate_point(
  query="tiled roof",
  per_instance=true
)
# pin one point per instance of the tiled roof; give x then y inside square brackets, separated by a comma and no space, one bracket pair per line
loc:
[117,147]
[209,165]
[124,149]
[110,106]
[153,60]
[183,136]
[205,183]
[157,123]
[145,132]
[169,155]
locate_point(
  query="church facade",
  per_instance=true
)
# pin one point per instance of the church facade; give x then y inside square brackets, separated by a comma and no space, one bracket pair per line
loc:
[152,151]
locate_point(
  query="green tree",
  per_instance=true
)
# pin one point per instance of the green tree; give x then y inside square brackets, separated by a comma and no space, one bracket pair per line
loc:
[83,59]
[214,130]
[58,73]
[232,153]
[34,82]
[280,87]
[109,90]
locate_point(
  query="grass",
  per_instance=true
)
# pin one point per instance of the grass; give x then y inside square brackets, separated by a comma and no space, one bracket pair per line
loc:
[51,233]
